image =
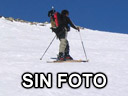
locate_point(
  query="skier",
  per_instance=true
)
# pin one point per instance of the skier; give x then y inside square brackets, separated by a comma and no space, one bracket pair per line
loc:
[62,35]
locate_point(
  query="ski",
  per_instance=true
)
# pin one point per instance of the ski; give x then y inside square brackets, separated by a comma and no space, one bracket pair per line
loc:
[53,58]
[68,61]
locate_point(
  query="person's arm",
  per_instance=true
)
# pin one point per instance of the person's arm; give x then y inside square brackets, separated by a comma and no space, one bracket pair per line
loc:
[72,25]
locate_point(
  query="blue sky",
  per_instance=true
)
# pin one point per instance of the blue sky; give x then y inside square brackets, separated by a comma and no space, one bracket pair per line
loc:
[104,15]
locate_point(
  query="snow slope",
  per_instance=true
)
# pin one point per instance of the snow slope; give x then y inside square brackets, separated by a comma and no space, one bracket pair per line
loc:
[22,44]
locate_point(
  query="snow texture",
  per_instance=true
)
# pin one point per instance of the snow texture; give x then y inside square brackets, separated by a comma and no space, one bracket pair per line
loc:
[22,45]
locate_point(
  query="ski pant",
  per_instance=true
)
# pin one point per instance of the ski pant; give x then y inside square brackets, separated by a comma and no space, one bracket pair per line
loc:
[64,45]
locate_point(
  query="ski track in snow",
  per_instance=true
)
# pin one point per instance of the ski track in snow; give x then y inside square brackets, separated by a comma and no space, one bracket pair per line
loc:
[21,46]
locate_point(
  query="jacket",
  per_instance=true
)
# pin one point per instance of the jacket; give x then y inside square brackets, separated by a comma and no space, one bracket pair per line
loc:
[66,22]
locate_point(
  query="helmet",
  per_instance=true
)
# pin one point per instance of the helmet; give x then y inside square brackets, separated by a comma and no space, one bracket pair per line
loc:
[64,12]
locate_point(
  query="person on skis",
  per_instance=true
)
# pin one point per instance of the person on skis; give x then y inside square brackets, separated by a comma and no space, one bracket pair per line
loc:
[64,47]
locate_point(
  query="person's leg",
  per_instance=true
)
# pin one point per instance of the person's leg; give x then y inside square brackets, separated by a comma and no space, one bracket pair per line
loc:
[62,47]
[67,50]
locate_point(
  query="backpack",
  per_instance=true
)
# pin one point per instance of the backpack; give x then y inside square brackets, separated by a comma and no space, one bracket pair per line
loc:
[56,20]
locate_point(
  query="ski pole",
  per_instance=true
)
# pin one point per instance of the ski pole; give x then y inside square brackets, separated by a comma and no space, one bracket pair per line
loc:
[47,48]
[83,46]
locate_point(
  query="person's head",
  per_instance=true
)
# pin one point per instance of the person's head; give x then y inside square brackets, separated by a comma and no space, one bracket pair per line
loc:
[65,12]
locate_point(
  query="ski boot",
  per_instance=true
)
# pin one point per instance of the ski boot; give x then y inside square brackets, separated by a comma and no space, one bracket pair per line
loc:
[68,57]
[60,57]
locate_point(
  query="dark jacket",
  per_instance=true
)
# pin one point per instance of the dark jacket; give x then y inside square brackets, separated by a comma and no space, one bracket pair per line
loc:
[66,22]
[64,27]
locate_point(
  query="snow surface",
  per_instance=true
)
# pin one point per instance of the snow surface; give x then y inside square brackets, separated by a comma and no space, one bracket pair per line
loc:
[22,44]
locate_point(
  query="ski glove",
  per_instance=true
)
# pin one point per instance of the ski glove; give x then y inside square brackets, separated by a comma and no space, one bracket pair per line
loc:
[77,28]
